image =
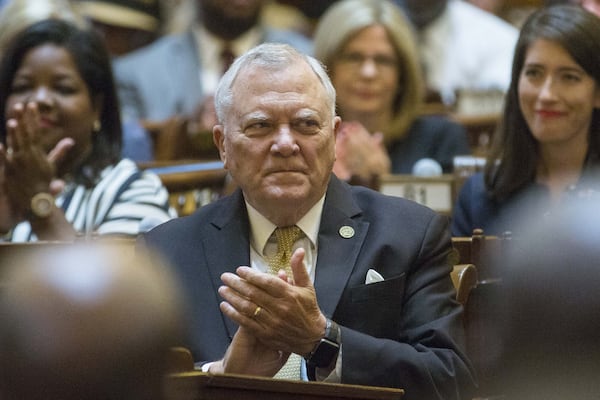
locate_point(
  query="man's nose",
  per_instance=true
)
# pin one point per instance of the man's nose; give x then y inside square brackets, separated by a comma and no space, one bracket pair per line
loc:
[285,142]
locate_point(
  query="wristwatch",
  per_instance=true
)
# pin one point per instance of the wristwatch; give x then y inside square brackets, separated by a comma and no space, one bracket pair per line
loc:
[326,351]
[41,205]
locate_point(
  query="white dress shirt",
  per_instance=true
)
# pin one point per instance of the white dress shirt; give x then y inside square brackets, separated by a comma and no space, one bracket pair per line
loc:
[209,51]
[467,48]
[263,246]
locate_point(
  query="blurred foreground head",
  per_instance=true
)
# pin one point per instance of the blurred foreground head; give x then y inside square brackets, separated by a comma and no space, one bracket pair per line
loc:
[552,308]
[85,322]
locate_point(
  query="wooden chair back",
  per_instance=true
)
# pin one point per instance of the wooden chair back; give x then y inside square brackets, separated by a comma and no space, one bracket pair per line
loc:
[480,130]
[175,139]
[464,277]
[486,253]
[191,184]
[179,359]
[482,250]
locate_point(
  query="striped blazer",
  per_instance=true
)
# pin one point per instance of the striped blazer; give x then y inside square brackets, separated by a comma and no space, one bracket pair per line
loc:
[122,198]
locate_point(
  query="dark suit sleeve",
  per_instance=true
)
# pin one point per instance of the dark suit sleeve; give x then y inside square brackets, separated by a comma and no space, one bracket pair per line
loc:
[421,348]
[452,142]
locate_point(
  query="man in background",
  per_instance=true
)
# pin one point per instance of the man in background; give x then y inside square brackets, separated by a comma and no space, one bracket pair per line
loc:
[177,75]
[550,309]
[126,25]
[462,47]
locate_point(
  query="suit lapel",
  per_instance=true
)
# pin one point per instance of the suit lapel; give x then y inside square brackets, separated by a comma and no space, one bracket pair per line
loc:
[341,235]
[227,243]
[337,251]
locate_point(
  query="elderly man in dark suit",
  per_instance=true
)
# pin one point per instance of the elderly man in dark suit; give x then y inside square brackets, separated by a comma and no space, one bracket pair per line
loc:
[363,295]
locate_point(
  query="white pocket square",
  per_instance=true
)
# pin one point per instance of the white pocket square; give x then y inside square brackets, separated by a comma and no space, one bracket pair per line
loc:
[373,276]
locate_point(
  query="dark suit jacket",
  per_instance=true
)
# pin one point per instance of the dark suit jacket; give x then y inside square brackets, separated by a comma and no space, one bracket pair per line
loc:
[475,208]
[403,332]
[431,136]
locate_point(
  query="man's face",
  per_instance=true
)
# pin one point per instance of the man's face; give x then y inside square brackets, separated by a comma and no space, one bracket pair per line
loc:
[278,140]
[422,12]
[232,9]
[228,19]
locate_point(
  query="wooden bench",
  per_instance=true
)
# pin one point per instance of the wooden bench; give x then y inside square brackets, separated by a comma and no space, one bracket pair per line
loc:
[198,385]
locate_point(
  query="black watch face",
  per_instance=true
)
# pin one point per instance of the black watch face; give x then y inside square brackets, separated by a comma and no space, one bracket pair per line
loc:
[325,354]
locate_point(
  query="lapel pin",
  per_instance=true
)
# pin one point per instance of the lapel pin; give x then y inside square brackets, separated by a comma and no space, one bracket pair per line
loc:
[346,232]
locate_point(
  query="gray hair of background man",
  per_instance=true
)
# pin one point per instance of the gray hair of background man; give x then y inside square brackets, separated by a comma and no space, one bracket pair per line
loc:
[270,56]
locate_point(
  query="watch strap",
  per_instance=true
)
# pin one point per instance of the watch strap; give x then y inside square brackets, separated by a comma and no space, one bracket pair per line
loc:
[326,351]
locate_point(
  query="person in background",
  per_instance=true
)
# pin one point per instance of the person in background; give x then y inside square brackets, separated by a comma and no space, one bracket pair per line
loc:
[461,46]
[592,6]
[369,49]
[176,76]
[547,149]
[61,173]
[549,310]
[355,282]
[299,15]
[17,14]
[86,321]
[491,6]
[126,25]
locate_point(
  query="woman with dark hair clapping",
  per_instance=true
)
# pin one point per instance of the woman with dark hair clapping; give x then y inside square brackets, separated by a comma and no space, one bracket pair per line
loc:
[61,174]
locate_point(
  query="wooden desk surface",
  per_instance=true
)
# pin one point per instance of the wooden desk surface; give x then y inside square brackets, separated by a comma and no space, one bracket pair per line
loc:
[197,385]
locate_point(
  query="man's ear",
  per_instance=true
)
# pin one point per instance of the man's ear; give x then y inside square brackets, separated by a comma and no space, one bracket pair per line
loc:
[337,122]
[219,140]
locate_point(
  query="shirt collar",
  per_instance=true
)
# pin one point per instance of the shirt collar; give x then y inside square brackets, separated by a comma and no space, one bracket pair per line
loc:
[210,46]
[261,228]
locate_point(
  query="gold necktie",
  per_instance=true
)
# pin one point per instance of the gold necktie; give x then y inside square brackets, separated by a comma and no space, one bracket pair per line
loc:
[286,237]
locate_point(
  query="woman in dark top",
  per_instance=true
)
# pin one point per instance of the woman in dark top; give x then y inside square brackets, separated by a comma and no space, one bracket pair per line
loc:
[547,148]
[369,49]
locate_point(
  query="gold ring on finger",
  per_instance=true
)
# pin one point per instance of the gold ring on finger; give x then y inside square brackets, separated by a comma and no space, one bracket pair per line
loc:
[257,311]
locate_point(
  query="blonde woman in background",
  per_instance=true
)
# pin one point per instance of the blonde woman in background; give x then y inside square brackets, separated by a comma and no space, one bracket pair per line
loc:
[369,49]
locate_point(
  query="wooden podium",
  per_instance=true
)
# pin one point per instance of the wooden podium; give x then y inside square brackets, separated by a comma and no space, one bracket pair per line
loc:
[196,385]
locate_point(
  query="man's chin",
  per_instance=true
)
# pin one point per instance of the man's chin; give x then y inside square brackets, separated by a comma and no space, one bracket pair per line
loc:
[289,192]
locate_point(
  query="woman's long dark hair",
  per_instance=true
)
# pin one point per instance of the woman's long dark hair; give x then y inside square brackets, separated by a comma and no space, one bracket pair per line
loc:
[512,160]
[93,64]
